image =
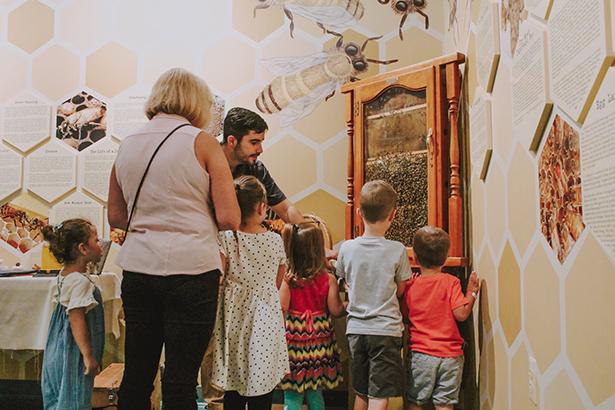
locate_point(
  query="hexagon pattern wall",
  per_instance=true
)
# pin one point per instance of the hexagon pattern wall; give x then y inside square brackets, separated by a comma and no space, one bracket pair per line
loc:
[547,276]
[534,304]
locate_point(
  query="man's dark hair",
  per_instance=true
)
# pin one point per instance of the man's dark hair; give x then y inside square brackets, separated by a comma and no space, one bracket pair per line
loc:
[240,121]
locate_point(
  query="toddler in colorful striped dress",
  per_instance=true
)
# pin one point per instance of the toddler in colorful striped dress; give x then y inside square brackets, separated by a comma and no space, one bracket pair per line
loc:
[309,295]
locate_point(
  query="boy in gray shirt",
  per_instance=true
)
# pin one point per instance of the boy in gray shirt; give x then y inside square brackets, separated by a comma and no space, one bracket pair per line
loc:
[376,270]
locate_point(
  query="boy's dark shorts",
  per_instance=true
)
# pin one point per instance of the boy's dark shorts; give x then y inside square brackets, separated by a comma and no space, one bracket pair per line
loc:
[376,366]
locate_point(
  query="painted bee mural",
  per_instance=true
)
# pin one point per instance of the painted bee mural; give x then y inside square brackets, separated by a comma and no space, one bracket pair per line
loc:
[405,7]
[304,82]
[328,14]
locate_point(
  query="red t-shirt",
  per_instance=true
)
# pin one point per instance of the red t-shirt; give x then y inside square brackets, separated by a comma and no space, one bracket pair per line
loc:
[433,328]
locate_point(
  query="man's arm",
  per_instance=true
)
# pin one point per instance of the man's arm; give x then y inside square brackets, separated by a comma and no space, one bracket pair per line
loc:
[288,212]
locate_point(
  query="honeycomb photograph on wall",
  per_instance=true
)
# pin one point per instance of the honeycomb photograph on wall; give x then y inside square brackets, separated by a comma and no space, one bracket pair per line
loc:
[559,177]
[81,121]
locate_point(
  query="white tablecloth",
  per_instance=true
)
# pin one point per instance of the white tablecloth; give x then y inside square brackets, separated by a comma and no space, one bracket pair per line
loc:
[26,304]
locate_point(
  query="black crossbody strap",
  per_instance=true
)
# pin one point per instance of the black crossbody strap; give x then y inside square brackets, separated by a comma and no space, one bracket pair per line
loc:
[134,203]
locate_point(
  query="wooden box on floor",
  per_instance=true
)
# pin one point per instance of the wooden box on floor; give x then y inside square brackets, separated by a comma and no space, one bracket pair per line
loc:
[107,385]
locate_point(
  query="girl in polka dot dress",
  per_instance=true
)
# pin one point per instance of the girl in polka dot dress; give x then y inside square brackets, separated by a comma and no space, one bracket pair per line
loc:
[250,354]
[309,295]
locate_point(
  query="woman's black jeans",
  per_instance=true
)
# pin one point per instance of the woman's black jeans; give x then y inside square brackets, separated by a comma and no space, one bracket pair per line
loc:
[176,311]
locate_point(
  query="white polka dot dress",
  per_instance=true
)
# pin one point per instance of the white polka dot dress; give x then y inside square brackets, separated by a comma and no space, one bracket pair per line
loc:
[250,354]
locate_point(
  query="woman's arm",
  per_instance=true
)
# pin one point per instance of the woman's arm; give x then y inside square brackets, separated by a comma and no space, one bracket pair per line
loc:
[210,155]
[334,302]
[79,328]
[117,212]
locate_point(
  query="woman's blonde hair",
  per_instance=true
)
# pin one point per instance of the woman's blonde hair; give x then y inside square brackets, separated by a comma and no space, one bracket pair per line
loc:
[179,92]
[305,250]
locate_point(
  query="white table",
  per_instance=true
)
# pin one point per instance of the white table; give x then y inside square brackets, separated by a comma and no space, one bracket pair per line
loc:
[26,304]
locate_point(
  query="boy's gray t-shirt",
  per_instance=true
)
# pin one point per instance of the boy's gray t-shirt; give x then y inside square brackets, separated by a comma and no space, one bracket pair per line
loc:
[372,267]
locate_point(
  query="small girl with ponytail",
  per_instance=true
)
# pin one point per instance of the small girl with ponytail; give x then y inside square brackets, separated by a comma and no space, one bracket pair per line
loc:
[309,295]
[250,356]
[75,340]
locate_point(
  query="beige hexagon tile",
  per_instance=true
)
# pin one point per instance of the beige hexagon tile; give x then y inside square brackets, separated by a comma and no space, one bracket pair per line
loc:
[111,69]
[165,56]
[307,26]
[326,121]
[246,99]
[470,67]
[477,191]
[590,324]
[229,76]
[541,294]
[256,27]
[329,208]
[372,50]
[30,25]
[407,51]
[488,300]
[519,381]
[284,46]
[292,164]
[378,18]
[84,24]
[486,371]
[496,205]
[521,198]
[500,384]
[509,294]
[561,395]
[55,72]
[13,73]
[438,16]
[501,112]
[335,165]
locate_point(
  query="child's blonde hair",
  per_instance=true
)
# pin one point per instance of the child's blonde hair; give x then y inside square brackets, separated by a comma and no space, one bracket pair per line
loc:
[305,250]
[322,225]
[377,200]
[65,238]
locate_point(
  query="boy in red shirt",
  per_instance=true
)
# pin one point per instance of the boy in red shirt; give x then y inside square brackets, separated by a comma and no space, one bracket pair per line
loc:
[435,301]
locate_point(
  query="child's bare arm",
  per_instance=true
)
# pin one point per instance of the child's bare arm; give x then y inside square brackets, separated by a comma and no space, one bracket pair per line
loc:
[79,328]
[334,302]
[280,276]
[463,312]
[285,296]
[401,288]
[223,262]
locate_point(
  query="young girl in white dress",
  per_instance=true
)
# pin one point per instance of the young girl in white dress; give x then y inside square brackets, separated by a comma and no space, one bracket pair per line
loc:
[250,353]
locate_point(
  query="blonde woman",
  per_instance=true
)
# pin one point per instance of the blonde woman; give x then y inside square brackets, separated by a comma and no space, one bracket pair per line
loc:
[171,189]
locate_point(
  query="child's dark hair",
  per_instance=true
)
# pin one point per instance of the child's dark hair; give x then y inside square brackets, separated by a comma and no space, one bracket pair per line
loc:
[64,238]
[305,250]
[377,200]
[240,121]
[250,192]
[431,246]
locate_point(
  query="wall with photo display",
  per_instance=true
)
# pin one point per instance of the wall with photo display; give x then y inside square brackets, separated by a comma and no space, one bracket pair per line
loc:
[543,219]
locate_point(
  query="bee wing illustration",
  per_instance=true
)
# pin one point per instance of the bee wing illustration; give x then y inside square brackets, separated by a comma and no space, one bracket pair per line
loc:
[289,65]
[332,17]
[305,105]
